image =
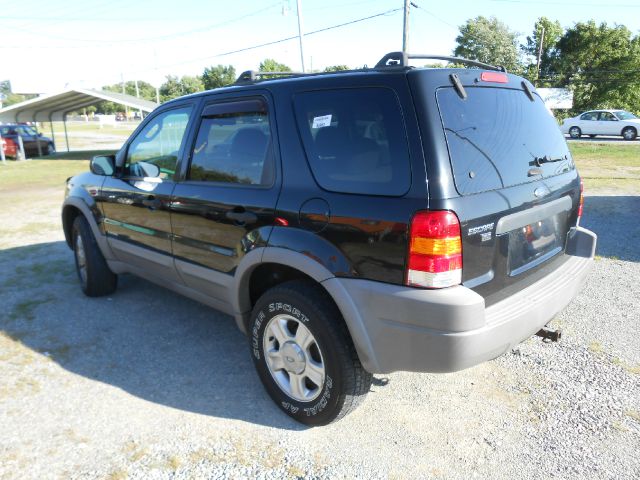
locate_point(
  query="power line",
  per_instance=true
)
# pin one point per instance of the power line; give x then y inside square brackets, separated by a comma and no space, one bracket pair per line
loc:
[150,39]
[419,7]
[274,42]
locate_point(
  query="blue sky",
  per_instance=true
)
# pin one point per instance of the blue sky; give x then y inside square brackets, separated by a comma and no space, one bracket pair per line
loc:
[46,45]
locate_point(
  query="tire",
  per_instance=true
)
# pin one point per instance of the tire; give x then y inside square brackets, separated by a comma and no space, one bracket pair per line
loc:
[629,133]
[331,380]
[51,149]
[96,278]
[575,132]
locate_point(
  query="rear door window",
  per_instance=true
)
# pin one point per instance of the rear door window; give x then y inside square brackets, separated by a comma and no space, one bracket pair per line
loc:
[355,140]
[234,144]
[498,137]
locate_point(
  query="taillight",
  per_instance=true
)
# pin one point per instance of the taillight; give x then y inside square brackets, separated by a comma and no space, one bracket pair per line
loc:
[581,205]
[495,77]
[435,250]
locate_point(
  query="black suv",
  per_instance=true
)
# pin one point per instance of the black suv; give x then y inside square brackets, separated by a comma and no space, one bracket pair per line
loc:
[359,222]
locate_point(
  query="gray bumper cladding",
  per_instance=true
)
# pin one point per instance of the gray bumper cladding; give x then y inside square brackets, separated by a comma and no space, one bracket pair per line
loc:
[401,328]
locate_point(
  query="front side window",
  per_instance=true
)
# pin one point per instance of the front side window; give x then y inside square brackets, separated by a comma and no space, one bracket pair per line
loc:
[622,115]
[234,144]
[154,151]
[355,140]
[607,117]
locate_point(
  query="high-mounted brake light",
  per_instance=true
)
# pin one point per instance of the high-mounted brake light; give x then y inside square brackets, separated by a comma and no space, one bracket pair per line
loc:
[581,204]
[435,250]
[495,77]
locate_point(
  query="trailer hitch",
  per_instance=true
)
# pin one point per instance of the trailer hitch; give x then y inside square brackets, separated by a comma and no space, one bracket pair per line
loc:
[549,334]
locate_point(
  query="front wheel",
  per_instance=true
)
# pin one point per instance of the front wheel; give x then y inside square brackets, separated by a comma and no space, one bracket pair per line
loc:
[629,133]
[575,132]
[304,355]
[96,278]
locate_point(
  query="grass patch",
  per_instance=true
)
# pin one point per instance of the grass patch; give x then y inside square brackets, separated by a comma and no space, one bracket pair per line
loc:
[605,154]
[173,463]
[26,309]
[633,414]
[119,474]
[596,348]
[40,274]
[15,176]
[607,166]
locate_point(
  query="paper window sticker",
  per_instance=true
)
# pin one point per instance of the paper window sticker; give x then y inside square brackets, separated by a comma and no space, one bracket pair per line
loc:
[321,122]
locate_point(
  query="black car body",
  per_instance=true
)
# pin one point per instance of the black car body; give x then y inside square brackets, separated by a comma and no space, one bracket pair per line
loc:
[434,211]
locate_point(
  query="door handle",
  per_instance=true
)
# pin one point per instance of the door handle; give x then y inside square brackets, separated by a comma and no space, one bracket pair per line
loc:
[242,218]
[151,202]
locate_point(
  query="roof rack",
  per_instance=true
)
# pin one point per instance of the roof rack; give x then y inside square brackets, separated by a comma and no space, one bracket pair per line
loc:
[400,59]
[253,75]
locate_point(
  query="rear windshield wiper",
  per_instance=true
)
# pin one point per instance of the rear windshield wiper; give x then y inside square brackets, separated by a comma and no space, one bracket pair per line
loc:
[537,161]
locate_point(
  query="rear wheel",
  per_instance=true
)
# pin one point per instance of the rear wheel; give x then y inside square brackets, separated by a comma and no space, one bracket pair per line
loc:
[629,133]
[575,132]
[96,278]
[304,355]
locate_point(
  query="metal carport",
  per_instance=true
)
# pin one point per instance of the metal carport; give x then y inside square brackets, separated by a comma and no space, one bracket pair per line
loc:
[56,106]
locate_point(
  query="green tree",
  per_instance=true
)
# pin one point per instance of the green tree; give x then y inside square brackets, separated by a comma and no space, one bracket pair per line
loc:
[218,76]
[146,90]
[270,65]
[601,65]
[552,34]
[175,87]
[489,40]
[336,68]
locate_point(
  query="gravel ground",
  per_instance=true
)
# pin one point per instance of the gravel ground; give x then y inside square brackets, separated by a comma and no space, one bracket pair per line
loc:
[147,384]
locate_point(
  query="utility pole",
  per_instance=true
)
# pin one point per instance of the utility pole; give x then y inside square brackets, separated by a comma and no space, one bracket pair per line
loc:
[539,56]
[126,109]
[300,36]
[138,96]
[405,30]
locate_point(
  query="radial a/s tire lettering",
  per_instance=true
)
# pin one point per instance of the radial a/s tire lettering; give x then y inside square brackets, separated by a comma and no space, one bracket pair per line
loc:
[304,355]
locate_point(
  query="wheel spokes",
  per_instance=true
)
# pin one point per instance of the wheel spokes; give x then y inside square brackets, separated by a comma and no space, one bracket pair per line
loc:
[274,358]
[298,388]
[314,372]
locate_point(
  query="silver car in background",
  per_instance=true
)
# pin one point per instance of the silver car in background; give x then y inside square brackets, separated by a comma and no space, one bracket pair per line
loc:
[603,122]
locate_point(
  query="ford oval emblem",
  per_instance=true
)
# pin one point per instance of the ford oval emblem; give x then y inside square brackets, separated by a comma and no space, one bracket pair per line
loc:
[541,191]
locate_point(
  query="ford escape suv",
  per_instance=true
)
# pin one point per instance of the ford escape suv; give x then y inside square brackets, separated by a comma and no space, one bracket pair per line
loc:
[352,223]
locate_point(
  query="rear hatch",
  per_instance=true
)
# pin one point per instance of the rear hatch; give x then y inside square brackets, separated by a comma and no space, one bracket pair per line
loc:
[496,157]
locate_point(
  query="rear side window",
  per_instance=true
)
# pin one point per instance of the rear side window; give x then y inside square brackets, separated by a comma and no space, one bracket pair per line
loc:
[498,137]
[355,140]
[234,144]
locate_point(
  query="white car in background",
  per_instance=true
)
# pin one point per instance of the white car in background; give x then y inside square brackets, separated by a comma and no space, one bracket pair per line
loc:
[603,122]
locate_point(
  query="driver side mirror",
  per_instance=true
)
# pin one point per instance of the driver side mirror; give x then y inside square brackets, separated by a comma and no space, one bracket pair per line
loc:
[103,165]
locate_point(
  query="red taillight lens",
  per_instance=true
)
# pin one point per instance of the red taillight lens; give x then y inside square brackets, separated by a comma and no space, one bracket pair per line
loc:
[581,205]
[495,77]
[435,250]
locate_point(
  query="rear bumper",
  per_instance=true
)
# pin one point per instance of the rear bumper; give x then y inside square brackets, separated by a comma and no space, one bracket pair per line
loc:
[402,328]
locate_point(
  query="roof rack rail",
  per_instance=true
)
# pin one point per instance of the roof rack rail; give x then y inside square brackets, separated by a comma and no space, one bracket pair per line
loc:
[400,59]
[253,75]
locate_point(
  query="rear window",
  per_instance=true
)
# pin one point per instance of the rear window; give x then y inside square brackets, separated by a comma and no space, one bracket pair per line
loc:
[355,140]
[497,138]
